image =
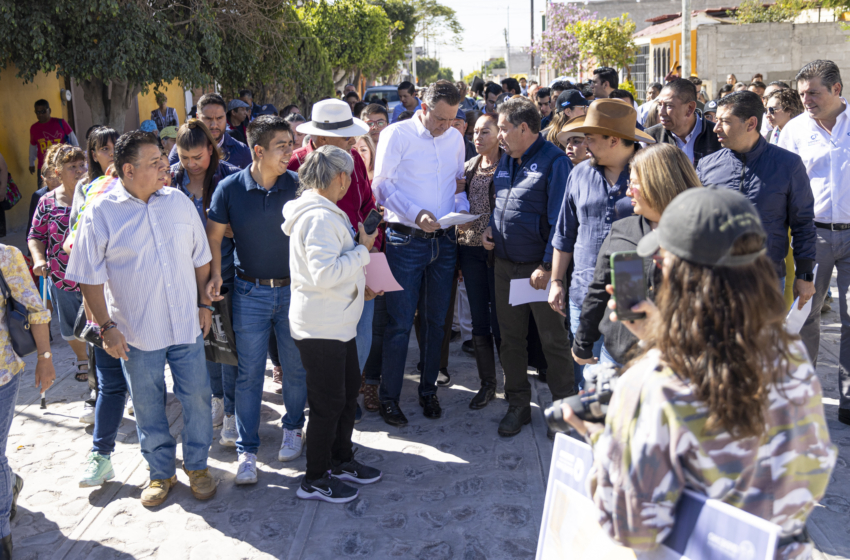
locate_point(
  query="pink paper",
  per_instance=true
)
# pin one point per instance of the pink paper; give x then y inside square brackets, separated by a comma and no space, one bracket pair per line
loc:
[379,277]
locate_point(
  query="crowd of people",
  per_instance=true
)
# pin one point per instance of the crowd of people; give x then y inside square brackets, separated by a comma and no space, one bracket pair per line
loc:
[139,236]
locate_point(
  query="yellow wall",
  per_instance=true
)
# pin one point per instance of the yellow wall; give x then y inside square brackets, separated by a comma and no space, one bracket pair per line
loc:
[16,106]
[675,41]
[174,93]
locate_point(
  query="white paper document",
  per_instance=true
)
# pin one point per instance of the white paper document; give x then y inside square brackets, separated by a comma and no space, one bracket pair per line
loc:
[522,292]
[456,219]
[379,277]
[796,318]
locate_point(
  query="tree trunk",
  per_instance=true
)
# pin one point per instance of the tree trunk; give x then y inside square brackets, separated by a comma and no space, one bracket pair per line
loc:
[340,78]
[109,110]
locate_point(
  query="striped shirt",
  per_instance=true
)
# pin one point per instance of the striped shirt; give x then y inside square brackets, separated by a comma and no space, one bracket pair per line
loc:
[146,254]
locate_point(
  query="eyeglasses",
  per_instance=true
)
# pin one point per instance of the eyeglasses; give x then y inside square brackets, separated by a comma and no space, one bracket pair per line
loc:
[773,110]
[377,124]
[42,111]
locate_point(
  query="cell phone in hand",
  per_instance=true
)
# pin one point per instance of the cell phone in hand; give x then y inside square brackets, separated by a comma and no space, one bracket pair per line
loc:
[629,280]
[371,223]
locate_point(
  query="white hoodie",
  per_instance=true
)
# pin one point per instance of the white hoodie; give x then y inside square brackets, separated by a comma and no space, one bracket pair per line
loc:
[326,267]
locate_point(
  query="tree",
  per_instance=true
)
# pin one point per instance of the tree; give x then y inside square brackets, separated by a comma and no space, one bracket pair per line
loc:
[118,48]
[437,24]
[557,46]
[446,74]
[403,16]
[427,70]
[753,11]
[355,34]
[609,41]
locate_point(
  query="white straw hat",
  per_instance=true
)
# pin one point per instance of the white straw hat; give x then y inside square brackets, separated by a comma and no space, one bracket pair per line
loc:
[332,117]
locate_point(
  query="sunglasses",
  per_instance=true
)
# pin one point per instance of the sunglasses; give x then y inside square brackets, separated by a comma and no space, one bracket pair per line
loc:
[377,124]
[773,110]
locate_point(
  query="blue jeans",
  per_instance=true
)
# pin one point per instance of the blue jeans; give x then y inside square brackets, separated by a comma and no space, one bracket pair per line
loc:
[380,318]
[8,398]
[223,384]
[109,408]
[575,316]
[480,289]
[256,311]
[364,333]
[67,305]
[145,375]
[425,268]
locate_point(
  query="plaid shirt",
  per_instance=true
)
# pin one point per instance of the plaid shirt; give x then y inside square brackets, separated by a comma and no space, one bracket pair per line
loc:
[169,120]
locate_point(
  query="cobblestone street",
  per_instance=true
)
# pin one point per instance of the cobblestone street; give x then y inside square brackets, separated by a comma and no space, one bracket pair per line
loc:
[452,488]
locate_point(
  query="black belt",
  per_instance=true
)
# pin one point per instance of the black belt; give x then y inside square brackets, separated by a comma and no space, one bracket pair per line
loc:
[273,282]
[400,228]
[832,227]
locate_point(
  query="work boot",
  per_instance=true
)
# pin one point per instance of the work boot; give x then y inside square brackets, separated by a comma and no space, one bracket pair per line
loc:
[201,482]
[486,362]
[157,492]
[514,420]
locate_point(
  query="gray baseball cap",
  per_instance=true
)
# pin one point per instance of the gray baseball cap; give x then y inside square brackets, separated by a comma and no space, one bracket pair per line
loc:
[702,224]
[237,104]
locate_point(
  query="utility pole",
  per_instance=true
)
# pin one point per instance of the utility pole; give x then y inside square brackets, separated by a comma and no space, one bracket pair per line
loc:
[413,62]
[508,45]
[531,51]
[686,39]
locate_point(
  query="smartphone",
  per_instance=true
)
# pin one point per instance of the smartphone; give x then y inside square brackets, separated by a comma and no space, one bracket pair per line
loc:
[629,280]
[370,224]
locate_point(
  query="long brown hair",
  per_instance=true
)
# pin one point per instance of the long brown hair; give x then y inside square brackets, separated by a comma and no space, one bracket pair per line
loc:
[195,134]
[558,122]
[98,138]
[722,329]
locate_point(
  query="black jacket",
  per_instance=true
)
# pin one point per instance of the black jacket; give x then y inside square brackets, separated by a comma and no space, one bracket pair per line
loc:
[706,142]
[624,236]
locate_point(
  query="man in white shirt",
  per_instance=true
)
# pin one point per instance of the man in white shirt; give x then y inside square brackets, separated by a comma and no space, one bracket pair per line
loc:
[821,136]
[416,170]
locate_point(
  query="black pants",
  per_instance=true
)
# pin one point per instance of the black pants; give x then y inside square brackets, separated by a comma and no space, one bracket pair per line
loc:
[333,383]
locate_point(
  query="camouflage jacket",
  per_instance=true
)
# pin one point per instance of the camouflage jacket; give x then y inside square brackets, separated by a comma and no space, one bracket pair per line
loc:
[655,444]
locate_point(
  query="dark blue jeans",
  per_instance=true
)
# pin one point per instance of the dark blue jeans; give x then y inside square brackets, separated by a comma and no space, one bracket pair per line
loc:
[8,398]
[379,325]
[109,409]
[425,269]
[480,289]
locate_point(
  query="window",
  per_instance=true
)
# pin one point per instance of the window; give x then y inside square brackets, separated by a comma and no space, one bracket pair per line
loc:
[640,72]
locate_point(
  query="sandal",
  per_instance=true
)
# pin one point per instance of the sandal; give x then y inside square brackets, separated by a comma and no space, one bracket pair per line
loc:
[370,398]
[82,375]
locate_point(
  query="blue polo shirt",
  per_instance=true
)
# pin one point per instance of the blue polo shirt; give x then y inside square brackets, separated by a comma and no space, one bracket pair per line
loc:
[235,152]
[399,109]
[256,216]
[590,206]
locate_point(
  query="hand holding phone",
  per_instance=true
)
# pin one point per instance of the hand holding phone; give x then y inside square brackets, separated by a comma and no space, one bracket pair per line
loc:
[629,280]
[371,223]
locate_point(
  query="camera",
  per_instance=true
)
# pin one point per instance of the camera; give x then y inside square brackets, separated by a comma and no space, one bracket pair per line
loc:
[591,404]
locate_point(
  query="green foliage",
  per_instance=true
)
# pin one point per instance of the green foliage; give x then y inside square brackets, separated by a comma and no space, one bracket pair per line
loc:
[495,63]
[437,23]
[609,41]
[403,16]
[355,34]
[628,86]
[446,74]
[427,70]
[472,75]
[753,11]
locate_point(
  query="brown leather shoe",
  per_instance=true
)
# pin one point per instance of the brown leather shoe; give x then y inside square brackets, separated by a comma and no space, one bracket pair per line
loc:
[370,398]
[202,483]
[158,490]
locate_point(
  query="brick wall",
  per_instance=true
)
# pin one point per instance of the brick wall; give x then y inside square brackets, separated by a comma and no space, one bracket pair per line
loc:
[777,50]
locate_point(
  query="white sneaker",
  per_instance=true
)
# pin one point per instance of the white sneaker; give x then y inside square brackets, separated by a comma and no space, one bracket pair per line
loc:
[247,473]
[217,412]
[228,431]
[130,410]
[290,447]
[87,417]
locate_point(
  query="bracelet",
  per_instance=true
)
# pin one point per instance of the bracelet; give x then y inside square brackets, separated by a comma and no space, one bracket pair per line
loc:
[558,280]
[109,325]
[210,307]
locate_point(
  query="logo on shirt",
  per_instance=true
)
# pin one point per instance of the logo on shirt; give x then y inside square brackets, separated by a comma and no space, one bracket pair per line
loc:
[503,175]
[533,167]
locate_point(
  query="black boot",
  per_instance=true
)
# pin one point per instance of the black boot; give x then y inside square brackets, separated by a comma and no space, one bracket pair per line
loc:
[6,548]
[486,363]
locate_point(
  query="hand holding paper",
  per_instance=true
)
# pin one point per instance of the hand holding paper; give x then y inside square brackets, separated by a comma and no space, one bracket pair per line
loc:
[522,292]
[379,277]
[456,219]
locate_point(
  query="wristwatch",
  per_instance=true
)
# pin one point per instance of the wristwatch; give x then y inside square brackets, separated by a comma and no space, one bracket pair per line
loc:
[806,276]
[46,355]
[547,266]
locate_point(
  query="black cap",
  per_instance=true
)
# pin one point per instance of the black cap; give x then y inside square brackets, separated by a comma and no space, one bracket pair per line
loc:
[570,98]
[267,109]
[702,224]
[710,107]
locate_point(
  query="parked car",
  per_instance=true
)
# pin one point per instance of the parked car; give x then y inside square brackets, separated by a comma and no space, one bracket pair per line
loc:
[390,93]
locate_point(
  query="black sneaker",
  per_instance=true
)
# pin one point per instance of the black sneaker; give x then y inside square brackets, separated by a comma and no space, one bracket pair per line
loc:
[353,471]
[468,347]
[326,489]
[392,414]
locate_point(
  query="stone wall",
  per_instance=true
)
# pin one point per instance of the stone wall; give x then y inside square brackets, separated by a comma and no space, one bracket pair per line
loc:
[777,50]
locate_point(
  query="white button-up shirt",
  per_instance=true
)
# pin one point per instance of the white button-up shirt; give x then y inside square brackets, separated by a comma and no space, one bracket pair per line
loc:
[827,159]
[686,144]
[146,254]
[415,171]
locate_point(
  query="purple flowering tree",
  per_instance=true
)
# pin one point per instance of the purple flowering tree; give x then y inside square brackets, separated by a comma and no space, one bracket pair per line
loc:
[559,48]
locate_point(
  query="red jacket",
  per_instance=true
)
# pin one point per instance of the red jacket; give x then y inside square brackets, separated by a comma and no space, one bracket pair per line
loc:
[359,200]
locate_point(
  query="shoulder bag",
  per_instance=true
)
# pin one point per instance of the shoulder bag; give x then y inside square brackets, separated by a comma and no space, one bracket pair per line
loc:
[17,322]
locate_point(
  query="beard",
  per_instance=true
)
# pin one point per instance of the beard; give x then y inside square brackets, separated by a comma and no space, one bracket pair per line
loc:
[593,161]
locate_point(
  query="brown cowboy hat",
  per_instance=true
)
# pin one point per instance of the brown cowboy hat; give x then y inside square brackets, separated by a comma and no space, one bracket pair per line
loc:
[611,117]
